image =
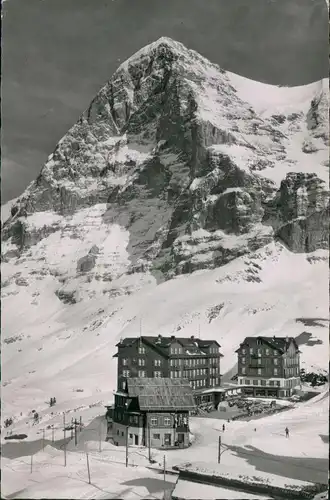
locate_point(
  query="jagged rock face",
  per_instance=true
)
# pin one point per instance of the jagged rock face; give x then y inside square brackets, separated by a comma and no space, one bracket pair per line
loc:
[300,212]
[184,164]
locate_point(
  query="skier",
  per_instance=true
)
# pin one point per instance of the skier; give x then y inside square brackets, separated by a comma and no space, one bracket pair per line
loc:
[286,432]
[223,428]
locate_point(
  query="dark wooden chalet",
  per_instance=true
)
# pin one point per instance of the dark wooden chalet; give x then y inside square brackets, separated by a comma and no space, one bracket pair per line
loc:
[153,410]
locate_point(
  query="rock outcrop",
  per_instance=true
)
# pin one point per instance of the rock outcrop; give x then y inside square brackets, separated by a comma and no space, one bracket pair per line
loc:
[185,165]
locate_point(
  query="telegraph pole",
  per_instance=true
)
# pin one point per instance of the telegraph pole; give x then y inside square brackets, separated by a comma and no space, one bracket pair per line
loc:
[88,470]
[126,461]
[53,434]
[75,432]
[64,446]
[219,450]
[80,422]
[31,464]
[149,444]
[100,446]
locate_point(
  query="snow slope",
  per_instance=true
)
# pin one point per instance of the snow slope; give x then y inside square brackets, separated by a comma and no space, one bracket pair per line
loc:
[65,347]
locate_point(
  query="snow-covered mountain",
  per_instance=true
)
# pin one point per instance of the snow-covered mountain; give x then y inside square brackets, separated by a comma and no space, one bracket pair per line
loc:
[185,197]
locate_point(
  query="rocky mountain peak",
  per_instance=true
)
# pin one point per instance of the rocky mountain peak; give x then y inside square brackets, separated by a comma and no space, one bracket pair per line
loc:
[184,164]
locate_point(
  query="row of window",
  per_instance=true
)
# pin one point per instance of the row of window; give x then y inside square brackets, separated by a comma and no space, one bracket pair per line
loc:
[142,374]
[174,362]
[196,384]
[243,360]
[154,421]
[259,351]
[142,362]
[260,382]
[259,371]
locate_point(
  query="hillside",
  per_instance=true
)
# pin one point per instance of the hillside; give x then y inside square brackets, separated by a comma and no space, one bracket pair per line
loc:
[178,200]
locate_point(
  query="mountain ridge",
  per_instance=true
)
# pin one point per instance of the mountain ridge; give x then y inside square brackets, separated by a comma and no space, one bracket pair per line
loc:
[169,128]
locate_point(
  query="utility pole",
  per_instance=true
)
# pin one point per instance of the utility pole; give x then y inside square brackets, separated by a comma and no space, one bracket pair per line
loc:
[89,472]
[80,422]
[219,450]
[75,432]
[53,434]
[100,446]
[64,446]
[43,439]
[31,464]
[126,461]
[164,461]
[149,443]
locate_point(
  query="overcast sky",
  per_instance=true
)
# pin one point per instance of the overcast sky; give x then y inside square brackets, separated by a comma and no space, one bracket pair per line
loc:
[58,53]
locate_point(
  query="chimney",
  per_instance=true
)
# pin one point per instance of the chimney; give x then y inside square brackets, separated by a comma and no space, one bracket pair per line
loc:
[172,337]
[192,337]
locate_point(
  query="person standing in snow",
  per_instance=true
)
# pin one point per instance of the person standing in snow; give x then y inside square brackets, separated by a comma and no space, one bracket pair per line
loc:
[286,432]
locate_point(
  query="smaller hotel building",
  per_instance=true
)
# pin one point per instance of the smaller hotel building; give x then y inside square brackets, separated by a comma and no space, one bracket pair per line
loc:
[153,411]
[268,366]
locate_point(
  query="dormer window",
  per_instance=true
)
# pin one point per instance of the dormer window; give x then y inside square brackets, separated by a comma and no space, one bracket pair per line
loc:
[142,350]
[243,351]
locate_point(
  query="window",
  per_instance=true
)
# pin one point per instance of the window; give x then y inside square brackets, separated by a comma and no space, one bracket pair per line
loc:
[247,381]
[243,360]
[241,381]
[275,371]
[271,383]
[255,382]
[179,373]
[263,382]
[243,370]
[251,350]
[171,374]
[275,361]
[153,421]
[123,385]
[259,352]
[197,371]
[141,373]
[194,373]
[267,351]
[259,371]
[125,361]
[156,436]
[278,383]
[131,436]
[126,373]
[158,362]
[167,421]
[243,351]
[142,362]
[157,374]
[275,353]
[142,350]
[259,361]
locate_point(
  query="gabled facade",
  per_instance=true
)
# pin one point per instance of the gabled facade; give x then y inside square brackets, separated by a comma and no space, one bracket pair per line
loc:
[153,411]
[268,366]
[172,357]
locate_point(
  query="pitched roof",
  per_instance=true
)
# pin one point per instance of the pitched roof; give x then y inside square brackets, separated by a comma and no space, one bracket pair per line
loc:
[161,393]
[162,344]
[279,343]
